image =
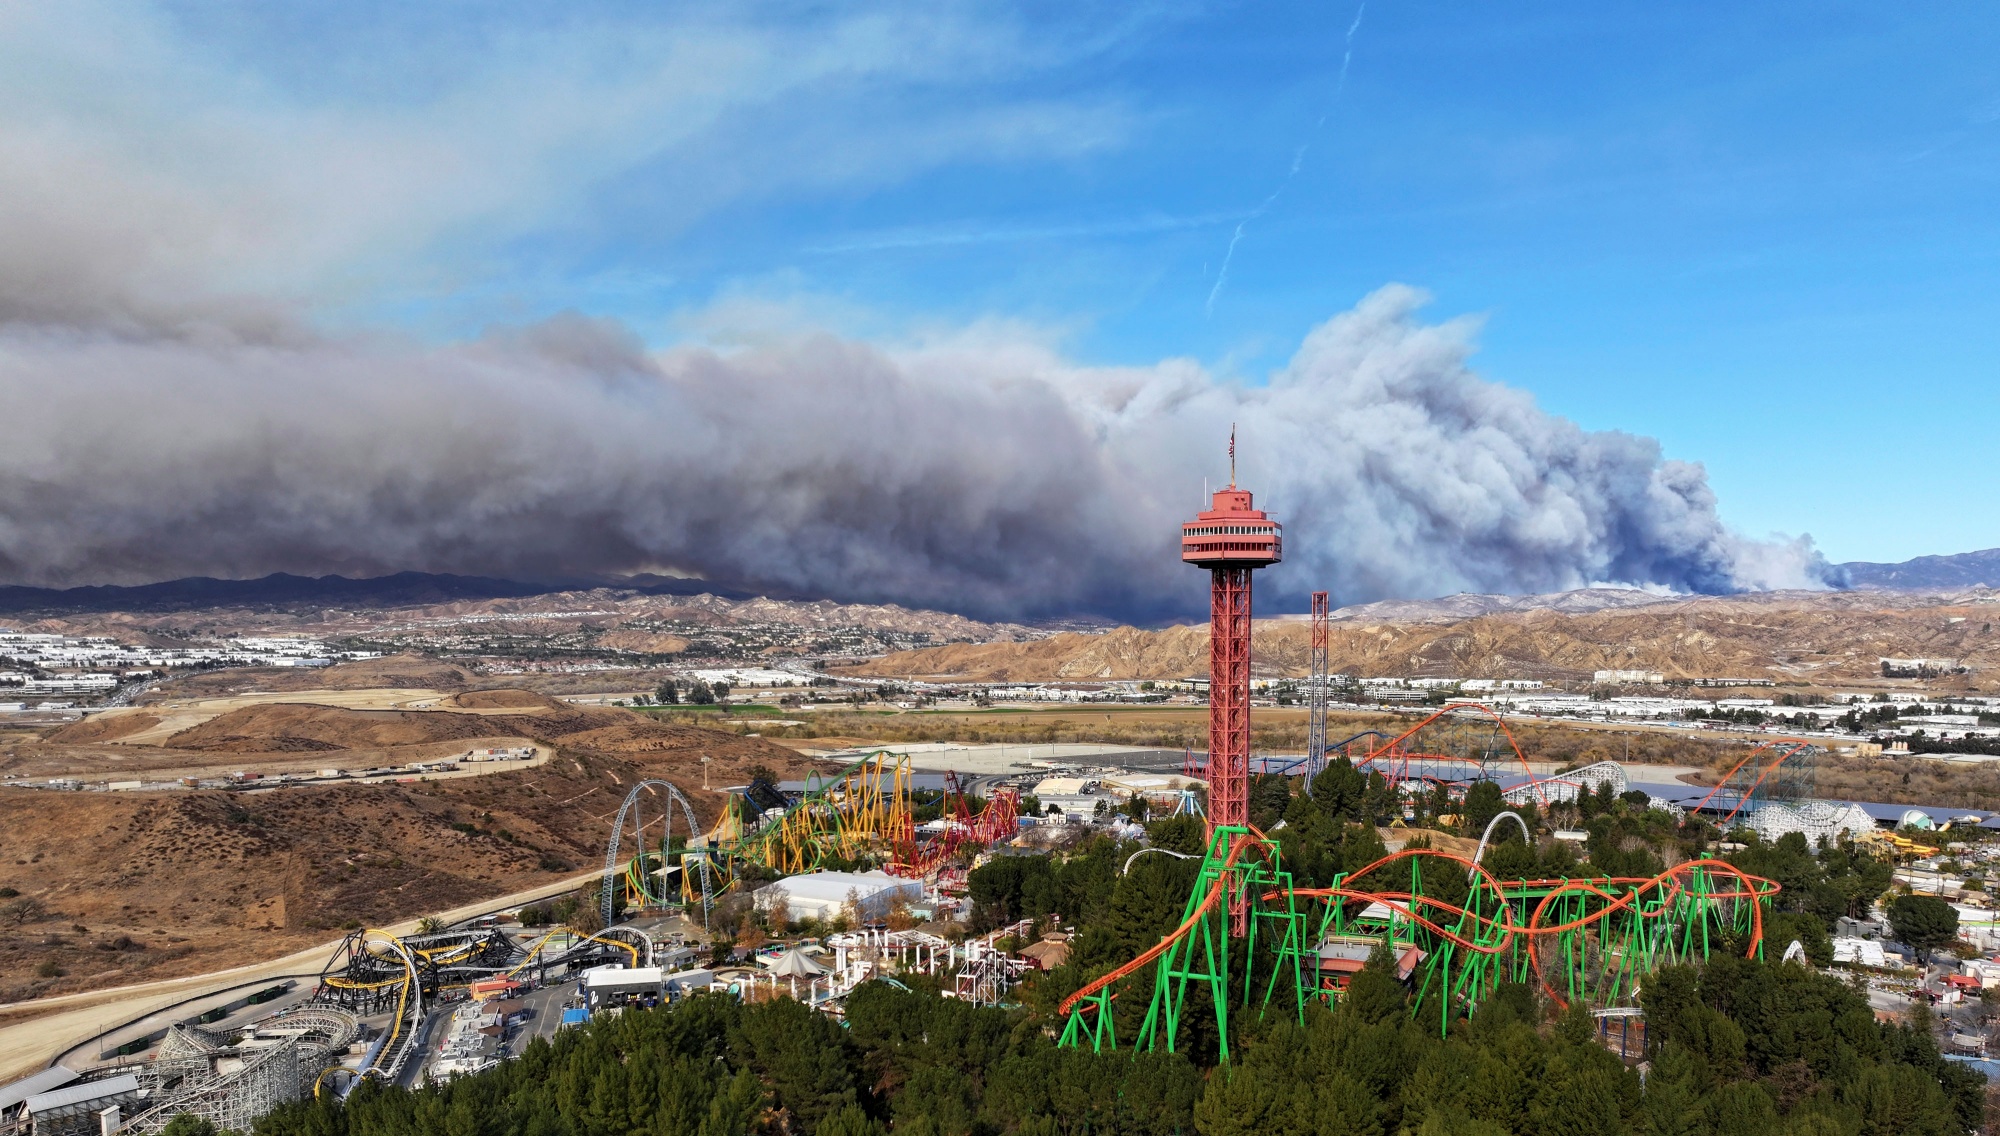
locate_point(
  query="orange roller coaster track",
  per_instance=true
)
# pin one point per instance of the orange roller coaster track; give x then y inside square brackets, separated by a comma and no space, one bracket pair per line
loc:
[1393,757]
[1458,939]
[1786,749]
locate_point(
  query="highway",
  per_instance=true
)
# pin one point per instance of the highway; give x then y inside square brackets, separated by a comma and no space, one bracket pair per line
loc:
[99,1049]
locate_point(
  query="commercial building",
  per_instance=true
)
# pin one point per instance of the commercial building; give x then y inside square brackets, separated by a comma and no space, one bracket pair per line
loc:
[1647,678]
[617,985]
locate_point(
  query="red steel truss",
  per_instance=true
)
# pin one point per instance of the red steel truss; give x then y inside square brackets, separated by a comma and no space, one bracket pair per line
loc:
[1229,697]
[1316,694]
[1231,539]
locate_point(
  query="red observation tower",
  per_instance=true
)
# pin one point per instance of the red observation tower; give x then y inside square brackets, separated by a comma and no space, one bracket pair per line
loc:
[1231,539]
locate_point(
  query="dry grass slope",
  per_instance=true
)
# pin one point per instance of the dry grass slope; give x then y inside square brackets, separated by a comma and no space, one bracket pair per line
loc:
[178,882]
[1792,638]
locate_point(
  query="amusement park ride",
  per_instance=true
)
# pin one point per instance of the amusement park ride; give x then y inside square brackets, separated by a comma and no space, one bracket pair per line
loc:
[867,808]
[1249,939]
[670,862]
[1231,539]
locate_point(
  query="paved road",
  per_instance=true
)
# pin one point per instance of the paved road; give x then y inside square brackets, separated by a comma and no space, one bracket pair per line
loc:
[62,1023]
[416,1068]
[169,780]
[544,1015]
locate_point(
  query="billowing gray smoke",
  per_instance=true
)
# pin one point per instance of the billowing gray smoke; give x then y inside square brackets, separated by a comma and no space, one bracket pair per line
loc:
[983,475]
[178,217]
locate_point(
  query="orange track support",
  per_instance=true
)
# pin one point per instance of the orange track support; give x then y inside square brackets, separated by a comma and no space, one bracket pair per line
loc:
[1795,744]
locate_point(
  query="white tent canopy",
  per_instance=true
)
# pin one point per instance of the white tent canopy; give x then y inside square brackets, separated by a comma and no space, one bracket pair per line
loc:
[793,964]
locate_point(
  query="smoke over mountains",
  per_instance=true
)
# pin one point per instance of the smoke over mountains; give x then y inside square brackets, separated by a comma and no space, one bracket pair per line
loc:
[984,475]
[176,223]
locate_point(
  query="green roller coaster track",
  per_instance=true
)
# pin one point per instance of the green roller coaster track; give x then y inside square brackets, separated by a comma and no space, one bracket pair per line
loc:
[1580,940]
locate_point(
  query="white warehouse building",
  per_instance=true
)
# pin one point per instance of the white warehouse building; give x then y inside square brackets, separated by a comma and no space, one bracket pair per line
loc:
[826,895]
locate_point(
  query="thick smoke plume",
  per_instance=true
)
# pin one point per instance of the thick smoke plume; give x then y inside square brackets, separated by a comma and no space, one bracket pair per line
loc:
[985,475]
[177,223]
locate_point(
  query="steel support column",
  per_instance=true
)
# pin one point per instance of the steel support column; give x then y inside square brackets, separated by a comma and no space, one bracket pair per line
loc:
[1316,694]
[1229,699]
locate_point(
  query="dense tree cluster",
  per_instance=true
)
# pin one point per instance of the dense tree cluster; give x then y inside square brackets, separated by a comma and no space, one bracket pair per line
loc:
[1923,921]
[1740,1048]
[1818,889]
[1735,1047]
[710,1066]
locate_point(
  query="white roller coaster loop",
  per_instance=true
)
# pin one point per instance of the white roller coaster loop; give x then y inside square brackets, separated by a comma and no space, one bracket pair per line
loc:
[1480,853]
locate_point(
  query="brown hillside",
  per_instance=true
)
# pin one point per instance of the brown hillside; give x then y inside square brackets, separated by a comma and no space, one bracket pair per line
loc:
[413,671]
[331,727]
[195,880]
[644,642]
[1793,638]
[104,728]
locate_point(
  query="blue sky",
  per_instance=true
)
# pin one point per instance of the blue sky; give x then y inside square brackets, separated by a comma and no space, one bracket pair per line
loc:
[1765,234]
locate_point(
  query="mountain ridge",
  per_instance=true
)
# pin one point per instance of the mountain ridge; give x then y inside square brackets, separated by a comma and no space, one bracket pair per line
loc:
[1925,573]
[415,589]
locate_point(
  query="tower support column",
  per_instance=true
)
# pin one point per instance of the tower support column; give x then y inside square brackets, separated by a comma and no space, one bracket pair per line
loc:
[1229,698]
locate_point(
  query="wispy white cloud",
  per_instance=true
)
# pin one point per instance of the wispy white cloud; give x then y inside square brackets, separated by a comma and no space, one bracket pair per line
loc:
[991,232]
[148,176]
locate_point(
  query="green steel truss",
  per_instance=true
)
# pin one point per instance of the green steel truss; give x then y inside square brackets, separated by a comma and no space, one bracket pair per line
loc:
[1588,940]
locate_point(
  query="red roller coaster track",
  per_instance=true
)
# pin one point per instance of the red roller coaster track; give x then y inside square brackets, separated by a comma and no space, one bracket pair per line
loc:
[1391,752]
[996,822]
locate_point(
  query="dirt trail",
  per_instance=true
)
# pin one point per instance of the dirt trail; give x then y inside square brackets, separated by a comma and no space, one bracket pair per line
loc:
[155,722]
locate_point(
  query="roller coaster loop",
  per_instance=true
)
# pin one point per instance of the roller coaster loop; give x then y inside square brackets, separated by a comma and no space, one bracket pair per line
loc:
[1591,940]
[995,822]
[389,1056]
[370,964]
[863,807]
[650,862]
[534,951]
[866,808]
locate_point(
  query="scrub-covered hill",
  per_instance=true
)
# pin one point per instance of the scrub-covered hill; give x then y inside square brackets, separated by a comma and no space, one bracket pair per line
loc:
[1812,637]
[102,888]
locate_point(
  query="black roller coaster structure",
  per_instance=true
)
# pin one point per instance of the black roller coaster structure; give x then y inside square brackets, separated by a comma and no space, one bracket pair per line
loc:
[374,971]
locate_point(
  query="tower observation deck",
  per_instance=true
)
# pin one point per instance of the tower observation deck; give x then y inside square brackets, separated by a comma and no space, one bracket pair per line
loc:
[1231,539]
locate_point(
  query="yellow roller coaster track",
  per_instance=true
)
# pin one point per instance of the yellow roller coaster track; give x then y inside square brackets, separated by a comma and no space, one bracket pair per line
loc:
[867,805]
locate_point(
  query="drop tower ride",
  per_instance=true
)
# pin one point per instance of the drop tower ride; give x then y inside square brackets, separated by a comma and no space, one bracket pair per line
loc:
[1231,539]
